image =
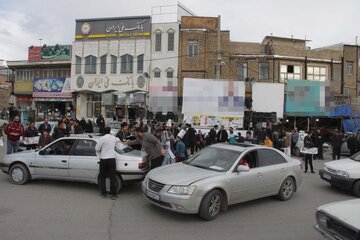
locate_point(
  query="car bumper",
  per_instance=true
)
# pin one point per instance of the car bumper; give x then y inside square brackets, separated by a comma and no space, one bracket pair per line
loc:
[176,203]
[339,181]
[4,167]
[325,233]
[134,176]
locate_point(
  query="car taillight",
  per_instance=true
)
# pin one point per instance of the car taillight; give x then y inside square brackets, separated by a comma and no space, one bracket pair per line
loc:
[142,165]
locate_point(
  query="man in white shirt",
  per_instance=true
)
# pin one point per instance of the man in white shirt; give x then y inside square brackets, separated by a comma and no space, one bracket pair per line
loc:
[106,147]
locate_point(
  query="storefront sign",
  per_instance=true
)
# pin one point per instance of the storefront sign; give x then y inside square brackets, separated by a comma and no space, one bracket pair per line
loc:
[113,27]
[34,54]
[23,87]
[133,83]
[52,88]
[56,52]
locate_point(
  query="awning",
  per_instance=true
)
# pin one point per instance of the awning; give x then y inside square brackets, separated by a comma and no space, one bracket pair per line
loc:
[52,99]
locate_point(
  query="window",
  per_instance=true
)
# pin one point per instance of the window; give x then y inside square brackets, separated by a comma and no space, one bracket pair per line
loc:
[140,63]
[193,48]
[241,71]
[349,67]
[263,71]
[157,72]
[169,73]
[126,63]
[103,65]
[77,65]
[85,148]
[90,65]
[113,64]
[158,41]
[316,73]
[171,39]
[61,147]
[289,72]
[268,157]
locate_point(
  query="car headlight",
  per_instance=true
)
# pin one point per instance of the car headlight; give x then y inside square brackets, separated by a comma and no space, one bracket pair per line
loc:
[182,190]
[321,219]
[342,173]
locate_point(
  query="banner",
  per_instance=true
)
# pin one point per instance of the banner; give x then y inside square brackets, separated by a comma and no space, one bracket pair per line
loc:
[52,88]
[268,97]
[56,52]
[163,95]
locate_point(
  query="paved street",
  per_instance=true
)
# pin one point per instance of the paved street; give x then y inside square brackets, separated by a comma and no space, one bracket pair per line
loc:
[46,209]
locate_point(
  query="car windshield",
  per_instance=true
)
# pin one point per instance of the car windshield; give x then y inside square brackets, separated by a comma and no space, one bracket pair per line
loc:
[356,157]
[215,159]
[115,125]
[121,148]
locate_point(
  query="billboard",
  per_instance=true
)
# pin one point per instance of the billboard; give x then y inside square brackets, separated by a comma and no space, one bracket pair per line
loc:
[113,27]
[268,97]
[308,98]
[163,95]
[208,102]
[52,88]
[56,52]
[34,54]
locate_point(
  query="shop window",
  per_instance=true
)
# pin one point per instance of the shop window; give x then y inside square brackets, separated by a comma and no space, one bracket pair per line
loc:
[241,71]
[103,65]
[263,71]
[77,65]
[193,48]
[289,72]
[171,40]
[157,73]
[90,65]
[126,63]
[113,64]
[158,41]
[316,73]
[140,63]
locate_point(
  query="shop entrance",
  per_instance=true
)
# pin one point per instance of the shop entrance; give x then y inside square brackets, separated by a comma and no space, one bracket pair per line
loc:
[53,110]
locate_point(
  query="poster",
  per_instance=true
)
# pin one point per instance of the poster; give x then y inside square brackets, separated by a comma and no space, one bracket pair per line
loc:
[163,95]
[52,88]
[268,97]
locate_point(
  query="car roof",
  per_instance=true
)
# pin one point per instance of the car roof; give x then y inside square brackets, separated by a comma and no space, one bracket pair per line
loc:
[235,146]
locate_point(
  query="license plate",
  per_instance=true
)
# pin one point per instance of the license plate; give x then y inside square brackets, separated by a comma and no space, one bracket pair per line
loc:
[328,177]
[153,195]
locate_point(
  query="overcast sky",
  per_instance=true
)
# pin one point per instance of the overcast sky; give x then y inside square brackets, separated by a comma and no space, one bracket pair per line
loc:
[23,22]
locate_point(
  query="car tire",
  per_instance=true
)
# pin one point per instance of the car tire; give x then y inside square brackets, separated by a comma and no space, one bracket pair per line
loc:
[297,152]
[19,174]
[211,205]
[356,188]
[287,189]
[118,184]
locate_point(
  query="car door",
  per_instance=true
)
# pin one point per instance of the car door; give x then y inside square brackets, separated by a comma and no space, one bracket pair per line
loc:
[83,163]
[273,167]
[245,186]
[53,161]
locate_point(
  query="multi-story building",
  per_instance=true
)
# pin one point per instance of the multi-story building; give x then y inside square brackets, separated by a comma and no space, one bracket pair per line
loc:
[42,83]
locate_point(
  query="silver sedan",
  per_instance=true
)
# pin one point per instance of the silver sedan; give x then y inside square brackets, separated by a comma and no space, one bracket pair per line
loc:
[221,175]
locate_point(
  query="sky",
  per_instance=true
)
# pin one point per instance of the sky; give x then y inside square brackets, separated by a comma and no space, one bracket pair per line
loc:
[324,22]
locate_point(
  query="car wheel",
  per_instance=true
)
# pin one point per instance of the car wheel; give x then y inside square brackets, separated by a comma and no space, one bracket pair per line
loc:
[19,174]
[118,184]
[211,205]
[356,188]
[287,189]
[297,152]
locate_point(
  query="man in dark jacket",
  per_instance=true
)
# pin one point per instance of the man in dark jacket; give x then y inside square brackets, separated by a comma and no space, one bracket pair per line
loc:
[308,157]
[352,144]
[60,131]
[100,122]
[31,131]
[212,135]
[336,142]
[222,135]
[44,126]
[319,144]
[78,129]
[192,138]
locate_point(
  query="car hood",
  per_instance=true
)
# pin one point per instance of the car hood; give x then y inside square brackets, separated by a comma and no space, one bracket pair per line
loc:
[180,174]
[344,164]
[23,155]
[347,211]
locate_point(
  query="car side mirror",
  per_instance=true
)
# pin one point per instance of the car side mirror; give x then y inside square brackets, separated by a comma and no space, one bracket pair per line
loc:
[243,168]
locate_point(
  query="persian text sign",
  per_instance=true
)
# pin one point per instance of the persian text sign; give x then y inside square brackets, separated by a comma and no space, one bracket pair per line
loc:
[52,88]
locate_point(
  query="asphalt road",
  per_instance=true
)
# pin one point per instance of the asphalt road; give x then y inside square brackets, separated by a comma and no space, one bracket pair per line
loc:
[45,209]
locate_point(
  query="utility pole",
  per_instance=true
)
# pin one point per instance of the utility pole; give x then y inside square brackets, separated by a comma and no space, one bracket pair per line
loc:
[218,52]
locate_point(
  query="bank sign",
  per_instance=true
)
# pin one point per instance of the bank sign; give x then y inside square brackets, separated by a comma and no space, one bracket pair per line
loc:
[113,27]
[52,88]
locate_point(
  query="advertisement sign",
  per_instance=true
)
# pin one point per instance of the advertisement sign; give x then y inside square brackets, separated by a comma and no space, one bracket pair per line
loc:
[23,87]
[52,88]
[34,54]
[208,102]
[163,95]
[113,27]
[56,52]
[268,97]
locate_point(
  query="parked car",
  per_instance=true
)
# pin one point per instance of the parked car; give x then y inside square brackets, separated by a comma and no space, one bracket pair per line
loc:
[344,173]
[339,220]
[74,159]
[216,177]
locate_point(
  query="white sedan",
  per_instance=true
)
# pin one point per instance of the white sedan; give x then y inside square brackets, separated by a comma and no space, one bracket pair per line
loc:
[73,159]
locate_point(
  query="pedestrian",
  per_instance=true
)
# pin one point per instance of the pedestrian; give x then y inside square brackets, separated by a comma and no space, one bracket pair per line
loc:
[222,135]
[77,127]
[268,142]
[83,123]
[192,138]
[100,122]
[200,141]
[89,127]
[107,166]
[294,139]
[308,144]
[14,131]
[60,131]
[180,149]
[241,139]
[212,135]
[44,139]
[45,125]
[123,131]
[232,135]
[320,143]
[336,142]
[248,138]
[31,132]
[352,143]
[151,145]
